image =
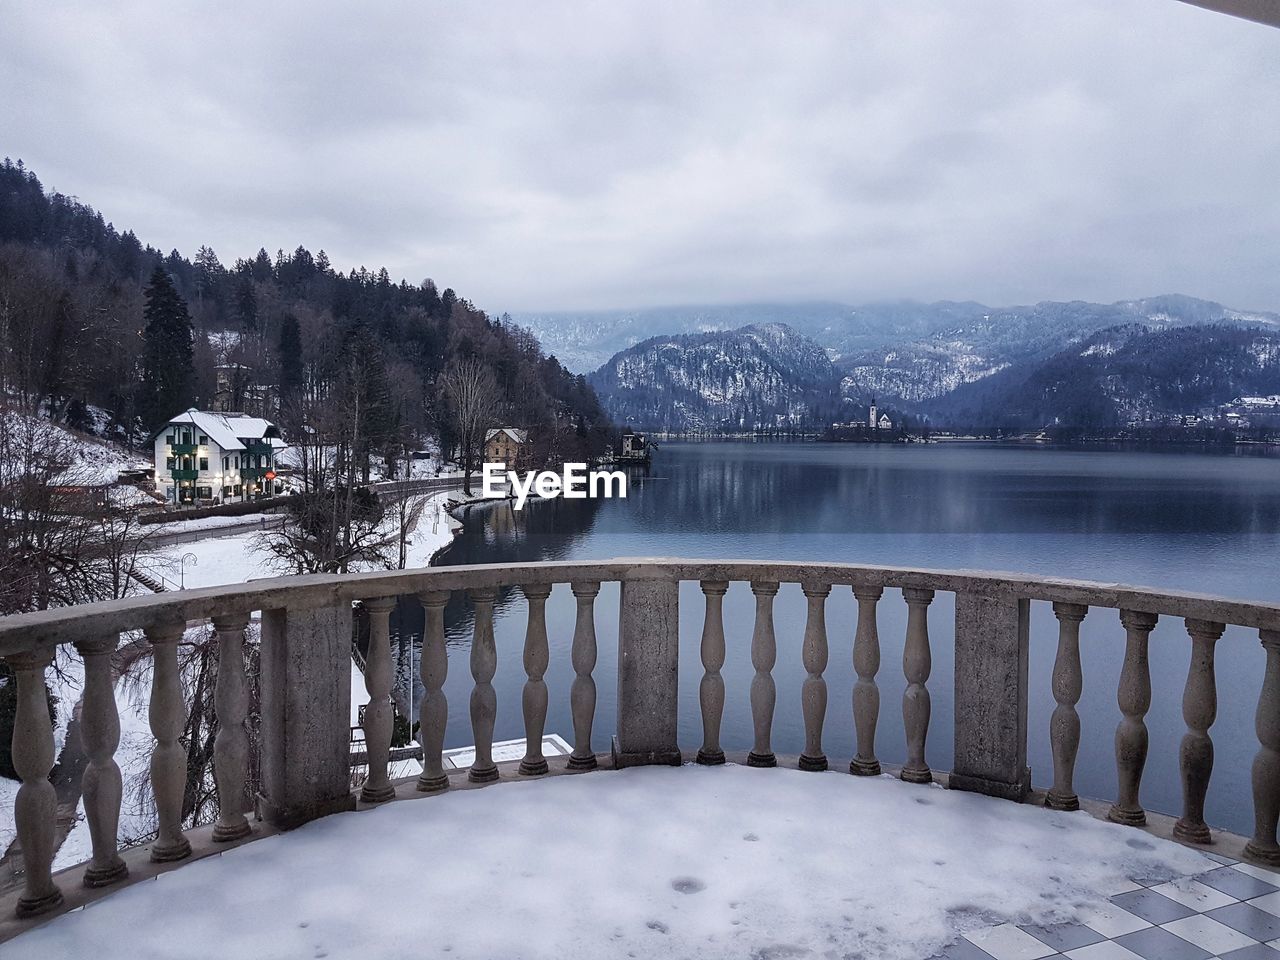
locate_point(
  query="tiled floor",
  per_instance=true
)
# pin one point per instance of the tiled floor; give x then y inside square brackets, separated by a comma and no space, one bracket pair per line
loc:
[1229,913]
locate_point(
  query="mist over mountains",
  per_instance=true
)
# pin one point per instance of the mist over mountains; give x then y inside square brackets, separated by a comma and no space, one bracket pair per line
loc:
[1077,363]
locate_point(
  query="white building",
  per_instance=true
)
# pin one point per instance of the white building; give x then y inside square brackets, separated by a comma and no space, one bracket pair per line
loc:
[202,455]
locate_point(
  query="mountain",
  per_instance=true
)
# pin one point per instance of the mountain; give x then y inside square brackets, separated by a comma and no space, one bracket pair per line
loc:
[1122,374]
[757,375]
[905,352]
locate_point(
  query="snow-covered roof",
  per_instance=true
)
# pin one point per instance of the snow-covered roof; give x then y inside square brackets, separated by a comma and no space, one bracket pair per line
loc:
[230,431]
[516,435]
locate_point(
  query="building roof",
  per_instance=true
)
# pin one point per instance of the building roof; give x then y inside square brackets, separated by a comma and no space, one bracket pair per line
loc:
[516,435]
[230,431]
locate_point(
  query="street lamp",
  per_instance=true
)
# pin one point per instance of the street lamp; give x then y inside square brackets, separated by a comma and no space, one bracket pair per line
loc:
[190,558]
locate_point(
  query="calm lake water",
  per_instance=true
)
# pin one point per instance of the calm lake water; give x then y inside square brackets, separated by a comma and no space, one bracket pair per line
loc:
[1183,520]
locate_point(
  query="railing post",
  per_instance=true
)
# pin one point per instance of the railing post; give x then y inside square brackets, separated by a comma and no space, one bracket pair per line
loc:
[813,692]
[866,695]
[648,672]
[1064,726]
[1266,765]
[306,714]
[917,664]
[433,712]
[379,714]
[711,689]
[100,735]
[168,716]
[34,808]
[582,696]
[1199,710]
[484,701]
[764,694]
[231,746]
[991,696]
[1134,698]
[533,699]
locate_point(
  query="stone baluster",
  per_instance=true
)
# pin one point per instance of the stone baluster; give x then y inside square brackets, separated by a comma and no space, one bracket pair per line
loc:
[231,745]
[484,702]
[813,694]
[711,689]
[101,786]
[1134,698]
[1199,710]
[534,698]
[866,695]
[379,713]
[35,807]
[433,712]
[1064,725]
[917,662]
[764,654]
[1266,765]
[168,716]
[582,696]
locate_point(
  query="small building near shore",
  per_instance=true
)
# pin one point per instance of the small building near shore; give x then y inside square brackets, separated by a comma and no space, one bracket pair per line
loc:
[214,457]
[633,446]
[508,445]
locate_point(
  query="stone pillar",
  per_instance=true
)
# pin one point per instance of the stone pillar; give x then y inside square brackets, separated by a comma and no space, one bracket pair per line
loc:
[1064,726]
[35,807]
[433,712]
[991,696]
[648,673]
[813,692]
[866,695]
[533,699]
[917,663]
[100,735]
[764,654]
[306,714]
[582,696]
[1266,765]
[1134,699]
[168,716]
[231,746]
[484,700]
[1199,710]
[379,713]
[711,689]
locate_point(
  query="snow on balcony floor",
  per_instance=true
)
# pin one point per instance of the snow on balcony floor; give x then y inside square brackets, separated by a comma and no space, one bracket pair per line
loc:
[651,862]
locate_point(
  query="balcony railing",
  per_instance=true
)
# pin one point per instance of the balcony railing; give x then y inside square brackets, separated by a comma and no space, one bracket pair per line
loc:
[180,474]
[184,449]
[305,647]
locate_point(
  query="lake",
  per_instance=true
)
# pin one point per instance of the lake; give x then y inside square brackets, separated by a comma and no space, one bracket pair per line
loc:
[1202,521]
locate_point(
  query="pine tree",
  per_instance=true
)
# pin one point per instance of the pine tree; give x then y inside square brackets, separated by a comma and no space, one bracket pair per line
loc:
[290,359]
[168,374]
[246,302]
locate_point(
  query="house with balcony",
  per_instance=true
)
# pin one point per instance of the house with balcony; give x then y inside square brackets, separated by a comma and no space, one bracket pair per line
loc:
[215,457]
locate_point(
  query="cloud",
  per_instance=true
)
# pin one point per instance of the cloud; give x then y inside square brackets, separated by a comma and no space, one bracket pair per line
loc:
[558,155]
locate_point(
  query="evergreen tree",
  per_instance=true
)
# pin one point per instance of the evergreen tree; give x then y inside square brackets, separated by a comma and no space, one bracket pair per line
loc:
[246,302]
[168,374]
[290,359]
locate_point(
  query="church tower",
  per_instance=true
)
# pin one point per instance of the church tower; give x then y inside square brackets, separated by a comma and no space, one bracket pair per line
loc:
[871,416]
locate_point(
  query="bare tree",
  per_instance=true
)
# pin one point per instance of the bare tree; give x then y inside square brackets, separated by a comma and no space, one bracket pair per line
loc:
[474,404]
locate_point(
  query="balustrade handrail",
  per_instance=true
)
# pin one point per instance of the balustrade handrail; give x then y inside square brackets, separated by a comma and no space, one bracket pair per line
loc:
[19,632]
[304,684]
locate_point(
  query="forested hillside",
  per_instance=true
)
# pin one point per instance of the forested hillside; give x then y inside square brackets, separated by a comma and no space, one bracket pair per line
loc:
[762,376]
[1124,374]
[93,323]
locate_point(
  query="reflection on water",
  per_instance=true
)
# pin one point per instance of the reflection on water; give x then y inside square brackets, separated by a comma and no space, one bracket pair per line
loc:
[1179,520]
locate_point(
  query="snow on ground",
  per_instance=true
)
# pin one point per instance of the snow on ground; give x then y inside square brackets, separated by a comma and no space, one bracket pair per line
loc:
[688,862]
[178,525]
[8,796]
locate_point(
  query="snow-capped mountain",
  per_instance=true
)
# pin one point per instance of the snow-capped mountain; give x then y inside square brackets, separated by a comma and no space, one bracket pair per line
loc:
[761,375]
[905,352]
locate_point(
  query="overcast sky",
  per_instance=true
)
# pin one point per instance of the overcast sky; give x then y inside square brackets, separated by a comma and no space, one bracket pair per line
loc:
[615,154]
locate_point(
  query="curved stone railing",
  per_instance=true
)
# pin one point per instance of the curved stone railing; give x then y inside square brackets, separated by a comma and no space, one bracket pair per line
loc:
[305,689]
